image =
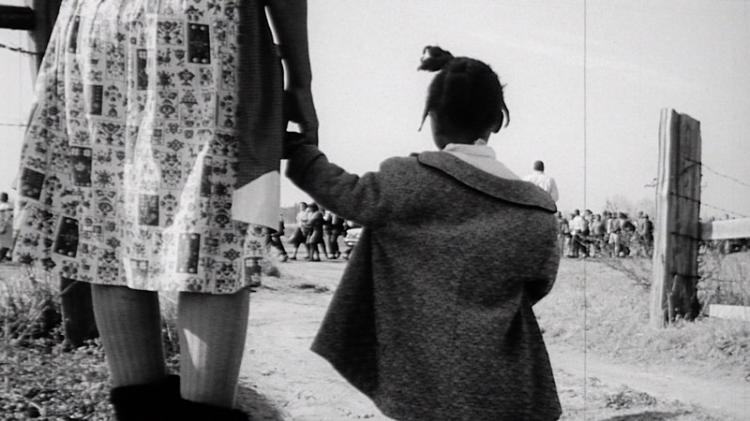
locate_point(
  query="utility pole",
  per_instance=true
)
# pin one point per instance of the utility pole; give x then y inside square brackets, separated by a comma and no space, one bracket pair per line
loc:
[38,18]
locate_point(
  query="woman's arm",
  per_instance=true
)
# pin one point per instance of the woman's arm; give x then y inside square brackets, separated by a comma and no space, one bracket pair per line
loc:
[290,21]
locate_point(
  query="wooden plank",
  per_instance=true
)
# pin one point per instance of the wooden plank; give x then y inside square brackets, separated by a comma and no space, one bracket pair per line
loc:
[722,311]
[17,17]
[725,230]
[662,221]
[677,232]
[687,212]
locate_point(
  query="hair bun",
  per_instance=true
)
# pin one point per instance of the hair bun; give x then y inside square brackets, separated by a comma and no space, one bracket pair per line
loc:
[434,58]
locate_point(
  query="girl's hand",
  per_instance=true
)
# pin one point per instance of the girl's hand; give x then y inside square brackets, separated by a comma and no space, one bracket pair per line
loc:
[299,108]
[292,142]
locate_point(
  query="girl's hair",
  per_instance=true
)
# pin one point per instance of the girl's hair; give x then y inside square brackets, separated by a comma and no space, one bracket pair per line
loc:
[465,96]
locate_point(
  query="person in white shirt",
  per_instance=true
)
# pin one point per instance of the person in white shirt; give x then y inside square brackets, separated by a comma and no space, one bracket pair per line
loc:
[545,182]
[578,231]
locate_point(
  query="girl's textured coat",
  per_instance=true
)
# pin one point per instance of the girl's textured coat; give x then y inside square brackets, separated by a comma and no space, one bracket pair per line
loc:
[433,317]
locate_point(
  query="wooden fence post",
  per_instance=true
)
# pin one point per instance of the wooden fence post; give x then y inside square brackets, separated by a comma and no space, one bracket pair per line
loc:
[677,230]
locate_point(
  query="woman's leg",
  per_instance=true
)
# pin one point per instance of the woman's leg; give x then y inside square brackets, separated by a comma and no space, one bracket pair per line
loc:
[212,339]
[129,324]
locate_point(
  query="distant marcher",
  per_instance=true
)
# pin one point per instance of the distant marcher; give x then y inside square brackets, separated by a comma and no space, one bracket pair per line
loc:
[545,182]
[315,237]
[627,234]
[597,231]
[578,230]
[326,240]
[6,227]
[303,229]
[273,239]
[613,234]
[645,234]
[336,224]
[563,234]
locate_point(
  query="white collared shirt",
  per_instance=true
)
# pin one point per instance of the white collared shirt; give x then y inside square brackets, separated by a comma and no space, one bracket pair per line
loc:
[545,182]
[482,157]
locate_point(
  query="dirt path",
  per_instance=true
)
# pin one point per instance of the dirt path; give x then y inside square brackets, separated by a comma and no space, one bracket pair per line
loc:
[725,399]
[282,380]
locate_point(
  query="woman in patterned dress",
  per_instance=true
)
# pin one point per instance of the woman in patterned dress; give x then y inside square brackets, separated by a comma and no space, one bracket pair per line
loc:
[149,164]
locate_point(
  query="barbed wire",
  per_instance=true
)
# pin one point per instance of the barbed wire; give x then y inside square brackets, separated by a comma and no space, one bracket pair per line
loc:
[18,50]
[708,205]
[728,177]
[724,210]
[4,124]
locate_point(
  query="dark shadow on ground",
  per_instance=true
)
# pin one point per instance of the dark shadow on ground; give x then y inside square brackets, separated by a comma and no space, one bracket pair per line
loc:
[256,405]
[647,416]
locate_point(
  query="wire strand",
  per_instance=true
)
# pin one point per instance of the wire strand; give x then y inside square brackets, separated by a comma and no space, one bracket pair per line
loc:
[18,50]
[728,177]
[585,273]
[3,124]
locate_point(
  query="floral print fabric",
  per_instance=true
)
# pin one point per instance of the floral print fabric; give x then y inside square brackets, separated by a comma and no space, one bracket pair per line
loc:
[128,165]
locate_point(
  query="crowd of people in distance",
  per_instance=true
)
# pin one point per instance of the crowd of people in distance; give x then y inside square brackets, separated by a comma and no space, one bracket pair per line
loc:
[318,230]
[609,234]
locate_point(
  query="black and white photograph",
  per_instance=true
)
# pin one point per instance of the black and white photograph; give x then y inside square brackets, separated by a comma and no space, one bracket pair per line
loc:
[347,210]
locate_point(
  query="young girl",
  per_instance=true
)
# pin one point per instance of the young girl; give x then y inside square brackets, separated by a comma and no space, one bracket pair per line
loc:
[445,332]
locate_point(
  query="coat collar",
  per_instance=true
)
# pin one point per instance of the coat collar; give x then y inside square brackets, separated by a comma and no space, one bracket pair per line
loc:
[515,191]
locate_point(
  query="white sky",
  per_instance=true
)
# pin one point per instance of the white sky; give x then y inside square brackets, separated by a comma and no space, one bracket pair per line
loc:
[641,56]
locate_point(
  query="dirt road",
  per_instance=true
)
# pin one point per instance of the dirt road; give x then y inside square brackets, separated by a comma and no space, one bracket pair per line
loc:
[282,380]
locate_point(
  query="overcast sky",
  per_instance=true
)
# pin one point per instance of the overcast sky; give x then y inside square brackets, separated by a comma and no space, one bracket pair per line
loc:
[592,118]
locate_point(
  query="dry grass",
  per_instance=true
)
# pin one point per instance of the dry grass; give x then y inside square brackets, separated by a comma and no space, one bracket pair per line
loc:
[614,322]
[725,278]
[39,378]
[30,308]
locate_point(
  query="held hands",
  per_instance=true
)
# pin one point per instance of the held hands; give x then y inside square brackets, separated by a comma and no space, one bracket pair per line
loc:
[299,108]
[292,142]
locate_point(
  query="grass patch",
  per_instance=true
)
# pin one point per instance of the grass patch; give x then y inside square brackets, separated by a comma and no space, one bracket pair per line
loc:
[606,310]
[29,308]
[725,278]
[39,378]
[43,382]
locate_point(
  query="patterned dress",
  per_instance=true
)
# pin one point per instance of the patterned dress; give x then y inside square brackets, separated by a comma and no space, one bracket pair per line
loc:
[139,145]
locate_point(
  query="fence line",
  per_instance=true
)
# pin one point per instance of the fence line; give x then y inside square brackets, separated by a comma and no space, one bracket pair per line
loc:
[13,125]
[728,177]
[19,50]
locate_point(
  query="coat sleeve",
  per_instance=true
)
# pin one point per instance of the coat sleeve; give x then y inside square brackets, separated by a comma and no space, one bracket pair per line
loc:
[365,199]
[538,287]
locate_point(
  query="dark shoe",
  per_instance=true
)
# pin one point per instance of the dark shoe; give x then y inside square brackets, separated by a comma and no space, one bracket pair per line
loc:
[189,411]
[147,402]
